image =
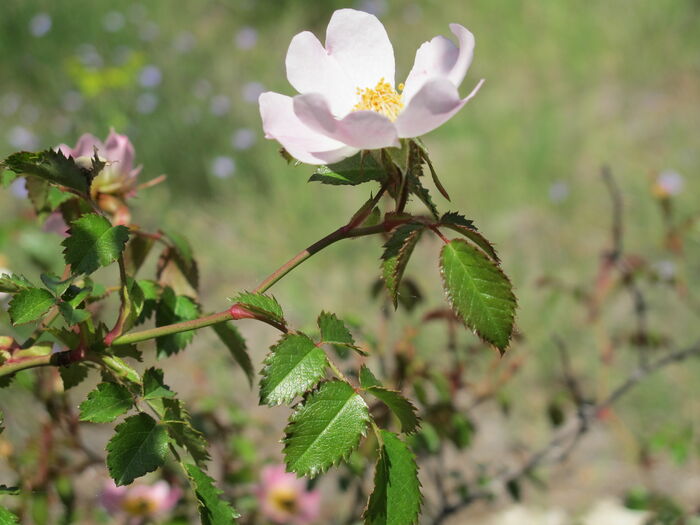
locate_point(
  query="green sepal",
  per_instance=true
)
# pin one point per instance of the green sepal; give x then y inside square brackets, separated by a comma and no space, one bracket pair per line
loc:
[261,304]
[352,171]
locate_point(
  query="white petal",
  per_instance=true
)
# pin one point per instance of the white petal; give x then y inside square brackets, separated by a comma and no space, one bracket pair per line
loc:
[359,129]
[432,106]
[280,123]
[441,58]
[358,41]
[86,145]
[310,69]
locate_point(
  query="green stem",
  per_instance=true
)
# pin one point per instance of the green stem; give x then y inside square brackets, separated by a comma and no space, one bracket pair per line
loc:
[184,326]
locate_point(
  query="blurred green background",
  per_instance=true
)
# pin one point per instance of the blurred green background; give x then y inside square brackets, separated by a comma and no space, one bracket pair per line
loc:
[570,86]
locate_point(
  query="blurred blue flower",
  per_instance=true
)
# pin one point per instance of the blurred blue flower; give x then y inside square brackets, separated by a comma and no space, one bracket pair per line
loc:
[113,21]
[375,7]
[251,91]
[146,103]
[20,137]
[150,76]
[559,191]
[220,105]
[246,38]
[18,188]
[40,24]
[243,139]
[89,56]
[223,167]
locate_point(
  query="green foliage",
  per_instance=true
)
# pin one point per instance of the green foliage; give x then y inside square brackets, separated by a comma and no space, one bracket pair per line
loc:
[93,242]
[213,510]
[180,429]
[479,292]
[154,386]
[107,402]
[461,224]
[293,366]
[139,446]
[174,309]
[325,428]
[12,283]
[367,378]
[51,166]
[399,405]
[73,374]
[235,343]
[397,252]
[336,333]
[44,196]
[352,171]
[396,499]
[7,517]
[261,304]
[177,267]
[416,188]
[29,305]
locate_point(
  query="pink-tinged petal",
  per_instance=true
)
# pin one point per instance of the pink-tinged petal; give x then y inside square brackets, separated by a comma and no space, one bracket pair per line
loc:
[358,41]
[309,507]
[86,146]
[359,129]
[65,149]
[310,69]
[281,123]
[112,496]
[436,102]
[118,148]
[441,58]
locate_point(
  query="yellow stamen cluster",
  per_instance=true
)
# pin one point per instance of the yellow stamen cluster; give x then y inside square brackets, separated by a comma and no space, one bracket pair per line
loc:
[139,506]
[285,500]
[382,99]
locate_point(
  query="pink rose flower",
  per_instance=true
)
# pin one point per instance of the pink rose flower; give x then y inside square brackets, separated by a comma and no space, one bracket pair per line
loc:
[284,498]
[119,174]
[140,502]
[347,99]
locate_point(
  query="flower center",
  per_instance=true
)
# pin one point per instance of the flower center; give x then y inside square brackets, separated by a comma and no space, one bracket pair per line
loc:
[284,500]
[139,506]
[383,98]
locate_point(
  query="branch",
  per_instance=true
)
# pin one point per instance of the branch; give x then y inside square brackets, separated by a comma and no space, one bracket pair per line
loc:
[569,438]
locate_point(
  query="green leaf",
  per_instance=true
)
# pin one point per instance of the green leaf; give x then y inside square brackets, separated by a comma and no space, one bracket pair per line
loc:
[107,402]
[174,309]
[399,405]
[293,366]
[12,283]
[352,171]
[154,386]
[45,197]
[73,374]
[479,292]
[150,291]
[135,253]
[54,283]
[235,343]
[7,518]
[71,315]
[213,510]
[139,446]
[29,305]
[397,252]
[333,330]
[396,499]
[177,267]
[417,189]
[93,242]
[9,491]
[367,378]
[325,428]
[179,425]
[261,304]
[52,166]
[462,225]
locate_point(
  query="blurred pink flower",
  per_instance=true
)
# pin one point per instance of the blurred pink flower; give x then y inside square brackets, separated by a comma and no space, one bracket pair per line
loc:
[348,101]
[140,502]
[284,498]
[119,175]
[55,223]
